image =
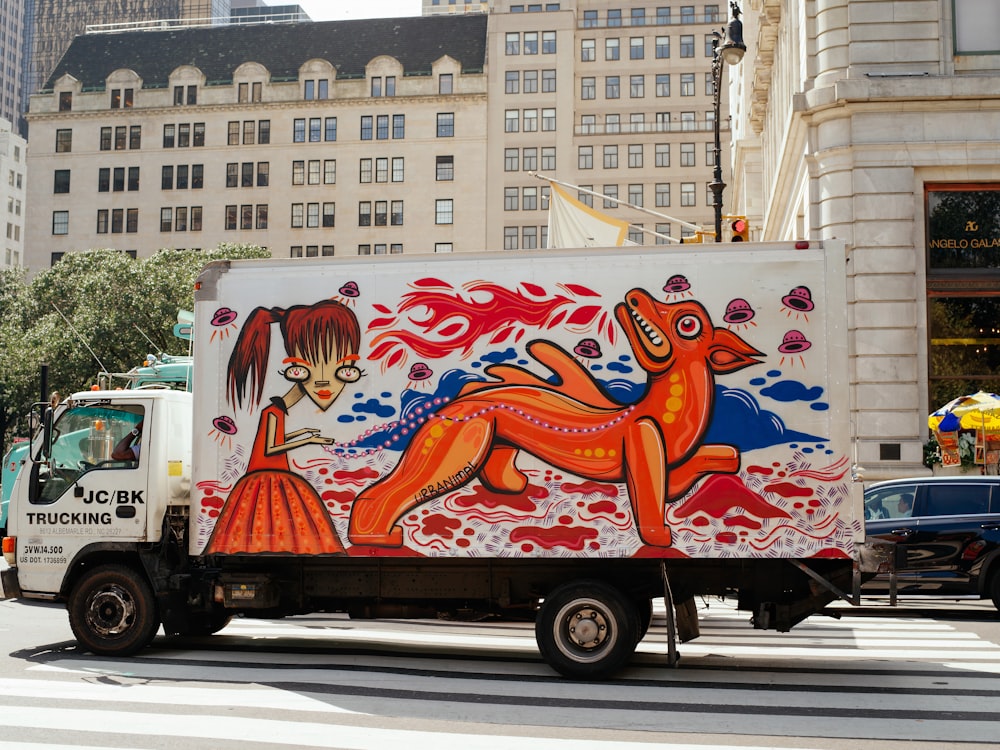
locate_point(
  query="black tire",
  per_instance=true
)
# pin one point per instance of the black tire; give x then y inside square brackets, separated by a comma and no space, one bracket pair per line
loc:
[644,617]
[587,629]
[994,588]
[112,611]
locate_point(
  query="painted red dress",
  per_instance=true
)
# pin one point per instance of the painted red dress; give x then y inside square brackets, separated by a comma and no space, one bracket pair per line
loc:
[271,509]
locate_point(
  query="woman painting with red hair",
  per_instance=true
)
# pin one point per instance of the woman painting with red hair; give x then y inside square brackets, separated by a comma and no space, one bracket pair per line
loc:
[271,509]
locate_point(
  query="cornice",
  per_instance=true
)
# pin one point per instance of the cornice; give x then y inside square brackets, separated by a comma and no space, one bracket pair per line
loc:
[769,20]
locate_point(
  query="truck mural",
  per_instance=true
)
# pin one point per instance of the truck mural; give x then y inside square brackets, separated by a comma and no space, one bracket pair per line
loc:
[564,418]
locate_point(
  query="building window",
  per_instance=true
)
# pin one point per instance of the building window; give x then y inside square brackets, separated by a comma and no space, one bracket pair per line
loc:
[312,215]
[61,181]
[610,196]
[615,17]
[105,139]
[588,88]
[662,154]
[512,119]
[635,194]
[510,198]
[446,124]
[510,238]
[512,82]
[396,213]
[364,213]
[246,216]
[65,101]
[590,19]
[382,169]
[121,98]
[102,221]
[60,222]
[299,130]
[548,42]
[104,179]
[530,120]
[688,194]
[231,211]
[367,122]
[64,141]
[329,129]
[315,129]
[263,133]
[329,215]
[118,179]
[636,48]
[444,211]
[548,157]
[397,169]
[548,81]
[687,155]
[529,199]
[512,43]
[637,87]
[585,157]
[381,213]
[687,45]
[687,84]
[398,126]
[635,156]
[611,157]
[612,49]
[531,42]
[166,219]
[549,119]
[530,159]
[687,14]
[443,247]
[612,87]
[511,158]
[445,170]
[365,171]
[588,50]
[135,136]
[445,83]
[662,47]
[298,215]
[329,171]
[133,178]
[662,190]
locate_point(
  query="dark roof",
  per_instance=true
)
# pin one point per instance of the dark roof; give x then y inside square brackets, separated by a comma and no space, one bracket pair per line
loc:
[281,48]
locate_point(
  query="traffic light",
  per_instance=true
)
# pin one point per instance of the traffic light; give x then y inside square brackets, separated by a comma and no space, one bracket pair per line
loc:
[741,230]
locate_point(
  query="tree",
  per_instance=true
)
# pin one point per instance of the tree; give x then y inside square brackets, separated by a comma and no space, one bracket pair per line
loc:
[94,309]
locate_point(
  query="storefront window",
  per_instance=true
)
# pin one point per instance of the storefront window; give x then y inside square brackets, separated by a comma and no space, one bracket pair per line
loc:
[963,289]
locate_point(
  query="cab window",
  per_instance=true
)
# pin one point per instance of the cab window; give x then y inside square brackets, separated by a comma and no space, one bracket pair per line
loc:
[84,439]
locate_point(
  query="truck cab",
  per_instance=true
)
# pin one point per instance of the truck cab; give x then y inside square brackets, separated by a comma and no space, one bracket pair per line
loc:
[76,501]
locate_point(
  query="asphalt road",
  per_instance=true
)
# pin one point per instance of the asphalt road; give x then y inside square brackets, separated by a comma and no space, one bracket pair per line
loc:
[926,675]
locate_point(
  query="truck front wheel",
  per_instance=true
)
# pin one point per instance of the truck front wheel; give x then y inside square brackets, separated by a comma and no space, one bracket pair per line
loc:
[112,611]
[587,629]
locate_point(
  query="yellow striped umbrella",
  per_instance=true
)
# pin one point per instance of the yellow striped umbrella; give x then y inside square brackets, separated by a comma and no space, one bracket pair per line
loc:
[980,411]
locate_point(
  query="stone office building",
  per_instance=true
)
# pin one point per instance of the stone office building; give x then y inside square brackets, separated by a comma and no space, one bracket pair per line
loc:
[374,136]
[877,122]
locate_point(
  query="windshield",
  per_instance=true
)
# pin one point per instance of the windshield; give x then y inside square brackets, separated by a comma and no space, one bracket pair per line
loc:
[85,438]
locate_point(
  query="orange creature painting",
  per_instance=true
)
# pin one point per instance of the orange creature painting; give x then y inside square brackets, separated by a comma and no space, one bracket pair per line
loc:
[654,446]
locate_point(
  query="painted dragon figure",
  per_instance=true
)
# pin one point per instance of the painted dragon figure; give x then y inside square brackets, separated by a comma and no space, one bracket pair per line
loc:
[654,446]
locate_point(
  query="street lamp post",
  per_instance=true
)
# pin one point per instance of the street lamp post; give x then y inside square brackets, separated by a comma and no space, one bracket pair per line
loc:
[730,51]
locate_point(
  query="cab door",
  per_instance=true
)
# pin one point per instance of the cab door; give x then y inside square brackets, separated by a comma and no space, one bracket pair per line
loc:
[79,493]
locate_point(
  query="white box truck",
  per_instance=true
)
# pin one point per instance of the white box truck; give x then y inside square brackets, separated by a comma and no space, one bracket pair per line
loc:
[560,435]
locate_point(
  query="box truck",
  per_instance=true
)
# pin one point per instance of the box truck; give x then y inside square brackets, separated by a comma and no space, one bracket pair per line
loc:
[560,435]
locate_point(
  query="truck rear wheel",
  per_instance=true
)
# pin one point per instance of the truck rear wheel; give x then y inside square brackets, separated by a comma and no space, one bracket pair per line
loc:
[587,629]
[112,611]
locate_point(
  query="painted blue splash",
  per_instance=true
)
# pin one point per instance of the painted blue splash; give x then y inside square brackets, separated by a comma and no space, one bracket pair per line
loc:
[792,390]
[738,420]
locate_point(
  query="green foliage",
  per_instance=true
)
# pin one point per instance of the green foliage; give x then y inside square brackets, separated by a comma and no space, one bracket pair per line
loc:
[101,299]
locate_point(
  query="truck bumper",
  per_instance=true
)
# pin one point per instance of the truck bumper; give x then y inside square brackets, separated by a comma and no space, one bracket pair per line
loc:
[11,588]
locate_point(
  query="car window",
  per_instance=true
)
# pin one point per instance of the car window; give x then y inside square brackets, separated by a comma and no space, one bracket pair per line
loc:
[956,499]
[889,502]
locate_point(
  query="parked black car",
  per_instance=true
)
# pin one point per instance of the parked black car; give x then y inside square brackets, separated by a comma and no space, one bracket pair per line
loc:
[947,530]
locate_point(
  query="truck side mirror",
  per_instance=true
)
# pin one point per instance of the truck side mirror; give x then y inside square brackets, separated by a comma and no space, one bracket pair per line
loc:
[45,449]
